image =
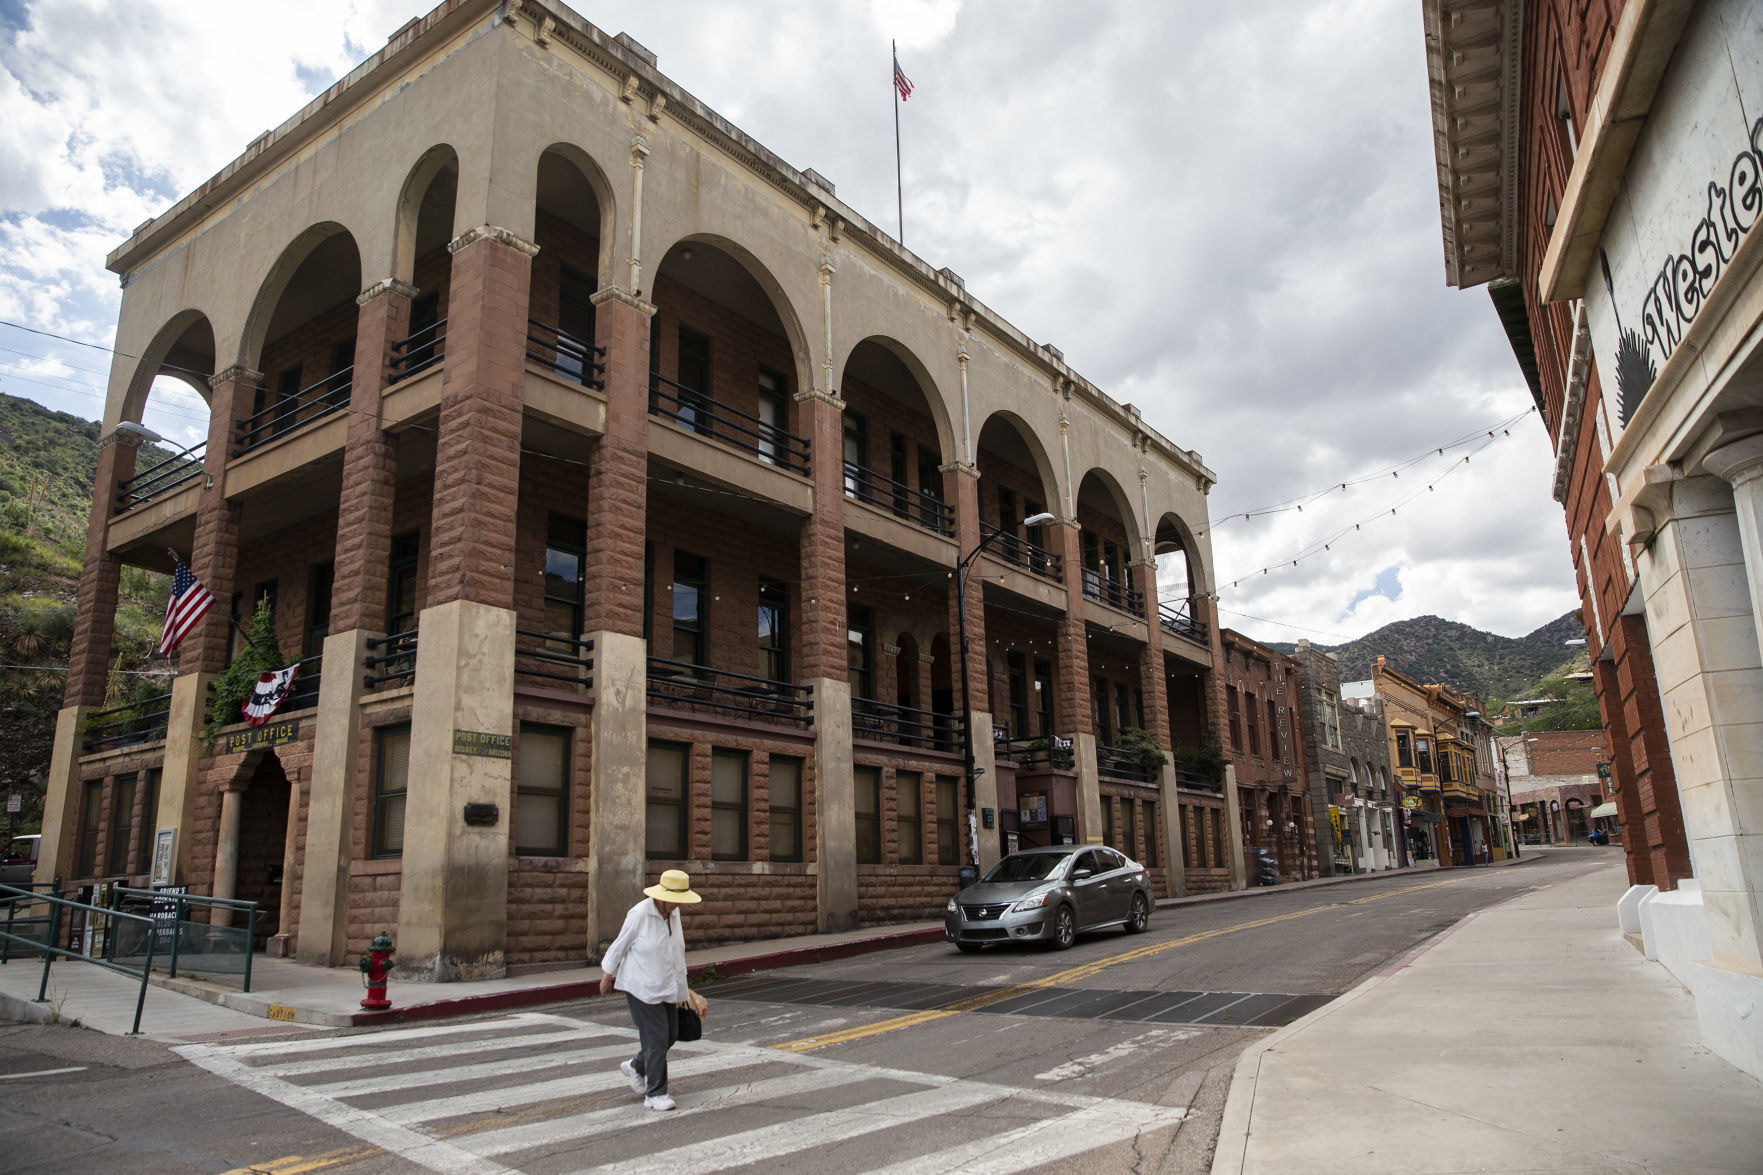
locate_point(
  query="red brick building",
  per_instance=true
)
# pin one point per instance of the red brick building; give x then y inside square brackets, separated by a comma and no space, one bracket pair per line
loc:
[1265,735]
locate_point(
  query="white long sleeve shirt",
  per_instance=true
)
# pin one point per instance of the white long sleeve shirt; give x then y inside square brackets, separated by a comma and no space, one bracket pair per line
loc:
[648,958]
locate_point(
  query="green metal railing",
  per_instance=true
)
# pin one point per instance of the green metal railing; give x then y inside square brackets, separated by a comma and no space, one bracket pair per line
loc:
[12,895]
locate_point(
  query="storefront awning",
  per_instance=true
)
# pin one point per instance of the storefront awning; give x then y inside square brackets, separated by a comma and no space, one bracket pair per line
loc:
[1608,809]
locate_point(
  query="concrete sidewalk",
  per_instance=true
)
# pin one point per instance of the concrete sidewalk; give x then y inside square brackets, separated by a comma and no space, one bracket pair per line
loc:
[289,996]
[1530,1037]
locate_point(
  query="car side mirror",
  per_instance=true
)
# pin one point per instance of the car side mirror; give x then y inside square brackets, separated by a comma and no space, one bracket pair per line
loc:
[1080,874]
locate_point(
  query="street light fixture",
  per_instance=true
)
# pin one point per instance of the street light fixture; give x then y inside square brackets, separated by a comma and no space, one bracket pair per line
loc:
[961,568]
[140,432]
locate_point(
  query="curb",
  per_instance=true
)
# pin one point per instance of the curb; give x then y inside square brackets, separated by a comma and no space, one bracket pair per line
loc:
[1340,879]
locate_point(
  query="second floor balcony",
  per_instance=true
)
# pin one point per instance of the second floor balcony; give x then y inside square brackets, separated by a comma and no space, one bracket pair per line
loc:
[1113,592]
[1020,552]
[913,505]
[698,412]
[741,697]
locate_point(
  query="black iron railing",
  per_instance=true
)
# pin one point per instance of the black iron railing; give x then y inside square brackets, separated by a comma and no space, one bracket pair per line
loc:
[420,350]
[1178,621]
[677,684]
[551,657]
[918,506]
[328,395]
[930,730]
[128,726]
[1196,781]
[1120,763]
[570,357]
[160,479]
[1035,753]
[1111,592]
[304,695]
[394,656]
[697,412]
[1024,554]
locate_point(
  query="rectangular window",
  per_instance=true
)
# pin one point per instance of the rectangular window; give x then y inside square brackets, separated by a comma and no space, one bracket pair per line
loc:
[774,627]
[774,416]
[1220,847]
[1044,696]
[1331,720]
[1017,670]
[868,809]
[541,792]
[1108,821]
[1190,853]
[287,401]
[1035,534]
[856,449]
[1252,713]
[1110,561]
[122,822]
[566,548]
[1152,829]
[948,835]
[401,585]
[691,624]
[149,818]
[1007,515]
[1236,719]
[901,475]
[860,653]
[1423,755]
[318,606]
[908,821]
[728,805]
[1123,715]
[1129,828]
[930,484]
[693,409]
[786,809]
[391,785]
[575,323]
[1099,708]
[664,814]
[91,816]
[1272,730]
[425,317]
[1404,749]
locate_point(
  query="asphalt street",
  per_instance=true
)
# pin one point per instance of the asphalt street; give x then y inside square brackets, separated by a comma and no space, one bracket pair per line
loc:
[1112,1056]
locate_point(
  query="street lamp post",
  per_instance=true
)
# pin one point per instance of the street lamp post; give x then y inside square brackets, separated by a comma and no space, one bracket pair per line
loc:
[966,692]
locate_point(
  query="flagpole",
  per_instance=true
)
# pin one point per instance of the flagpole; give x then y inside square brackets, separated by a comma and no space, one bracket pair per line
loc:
[899,187]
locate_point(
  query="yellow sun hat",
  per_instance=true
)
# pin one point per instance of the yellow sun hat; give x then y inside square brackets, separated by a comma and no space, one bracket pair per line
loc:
[674,886]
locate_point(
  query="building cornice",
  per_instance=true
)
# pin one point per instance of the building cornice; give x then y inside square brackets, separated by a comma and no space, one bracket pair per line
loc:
[1473,59]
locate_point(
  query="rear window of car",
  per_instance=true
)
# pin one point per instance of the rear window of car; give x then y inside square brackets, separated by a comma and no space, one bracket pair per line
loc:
[1110,859]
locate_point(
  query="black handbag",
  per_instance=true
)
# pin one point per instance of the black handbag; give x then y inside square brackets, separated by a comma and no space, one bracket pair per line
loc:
[691,1026]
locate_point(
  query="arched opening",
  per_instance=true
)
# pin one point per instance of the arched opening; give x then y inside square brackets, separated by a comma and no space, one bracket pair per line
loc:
[425,228]
[169,396]
[896,433]
[726,352]
[263,838]
[1109,543]
[1016,482]
[301,336]
[569,228]
[1178,579]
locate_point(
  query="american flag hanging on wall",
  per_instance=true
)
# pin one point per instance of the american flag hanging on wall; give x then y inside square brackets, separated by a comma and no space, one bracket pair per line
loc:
[189,603]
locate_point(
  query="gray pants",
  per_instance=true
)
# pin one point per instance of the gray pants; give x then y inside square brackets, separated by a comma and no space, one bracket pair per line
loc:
[657,1031]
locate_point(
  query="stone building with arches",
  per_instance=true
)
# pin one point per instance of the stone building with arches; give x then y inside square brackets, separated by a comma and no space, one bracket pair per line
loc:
[610,479]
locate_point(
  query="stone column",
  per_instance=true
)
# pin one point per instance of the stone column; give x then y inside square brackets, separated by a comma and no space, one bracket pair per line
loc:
[453,904]
[183,755]
[358,614]
[1657,812]
[1072,705]
[823,666]
[616,528]
[1233,821]
[1175,864]
[226,853]
[281,944]
[61,802]
[94,626]
[214,553]
[961,485]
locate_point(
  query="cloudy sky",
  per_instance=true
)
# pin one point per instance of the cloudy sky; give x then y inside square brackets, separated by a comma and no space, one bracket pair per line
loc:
[1225,214]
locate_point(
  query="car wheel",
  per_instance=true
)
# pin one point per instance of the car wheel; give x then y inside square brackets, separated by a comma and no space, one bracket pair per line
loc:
[1140,916]
[1064,929]
[969,948]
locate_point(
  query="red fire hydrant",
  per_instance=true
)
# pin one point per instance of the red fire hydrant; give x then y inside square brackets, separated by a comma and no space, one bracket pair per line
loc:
[376,965]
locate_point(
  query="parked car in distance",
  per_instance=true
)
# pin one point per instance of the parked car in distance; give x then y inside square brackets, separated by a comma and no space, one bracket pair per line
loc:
[1050,895]
[20,860]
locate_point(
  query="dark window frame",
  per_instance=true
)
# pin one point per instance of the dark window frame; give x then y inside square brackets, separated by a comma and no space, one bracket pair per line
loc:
[909,829]
[678,805]
[794,851]
[867,783]
[737,811]
[566,735]
[383,797]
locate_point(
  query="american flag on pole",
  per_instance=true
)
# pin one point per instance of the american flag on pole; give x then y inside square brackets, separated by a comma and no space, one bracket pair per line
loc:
[189,603]
[902,83]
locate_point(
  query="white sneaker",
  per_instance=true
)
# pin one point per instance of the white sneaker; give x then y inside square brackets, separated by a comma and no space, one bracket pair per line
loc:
[659,1101]
[638,1083]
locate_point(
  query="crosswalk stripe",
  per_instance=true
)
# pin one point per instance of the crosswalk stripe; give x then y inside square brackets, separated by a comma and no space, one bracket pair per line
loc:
[432,1052]
[392,1035]
[750,1146]
[387,1082]
[575,1127]
[1047,1141]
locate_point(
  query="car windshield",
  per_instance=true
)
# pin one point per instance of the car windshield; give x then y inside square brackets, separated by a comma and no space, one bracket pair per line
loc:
[20,847]
[1028,867]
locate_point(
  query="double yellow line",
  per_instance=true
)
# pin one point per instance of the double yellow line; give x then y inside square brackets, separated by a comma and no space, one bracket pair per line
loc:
[1070,975]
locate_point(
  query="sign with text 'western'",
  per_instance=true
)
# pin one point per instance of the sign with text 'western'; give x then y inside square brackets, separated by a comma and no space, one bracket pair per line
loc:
[261,738]
[483,745]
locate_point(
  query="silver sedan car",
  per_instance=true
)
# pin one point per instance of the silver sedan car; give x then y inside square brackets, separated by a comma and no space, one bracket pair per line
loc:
[1050,895]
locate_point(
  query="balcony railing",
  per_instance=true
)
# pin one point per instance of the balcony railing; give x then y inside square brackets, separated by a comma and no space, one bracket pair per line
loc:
[1119,763]
[1196,781]
[1024,554]
[158,480]
[1034,754]
[422,349]
[304,695]
[570,357]
[394,656]
[717,691]
[697,412]
[328,395]
[127,726]
[1112,592]
[929,730]
[550,657]
[916,506]
[1178,621]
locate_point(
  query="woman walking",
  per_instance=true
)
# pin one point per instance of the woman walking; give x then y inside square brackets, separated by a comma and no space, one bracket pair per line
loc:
[647,962]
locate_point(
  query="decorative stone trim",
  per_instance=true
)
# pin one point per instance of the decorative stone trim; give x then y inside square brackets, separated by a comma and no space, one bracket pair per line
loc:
[390,285]
[962,467]
[623,298]
[237,373]
[490,232]
[825,397]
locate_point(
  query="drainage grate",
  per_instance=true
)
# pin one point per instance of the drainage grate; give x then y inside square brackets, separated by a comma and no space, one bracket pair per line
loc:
[1218,1008]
